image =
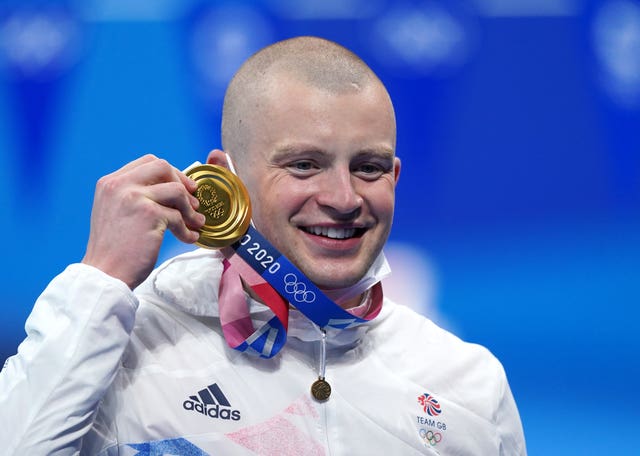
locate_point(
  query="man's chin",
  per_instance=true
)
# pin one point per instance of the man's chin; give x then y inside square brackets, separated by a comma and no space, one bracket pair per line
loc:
[338,282]
[333,274]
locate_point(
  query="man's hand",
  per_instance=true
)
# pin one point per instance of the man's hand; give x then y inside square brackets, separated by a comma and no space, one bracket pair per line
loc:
[132,209]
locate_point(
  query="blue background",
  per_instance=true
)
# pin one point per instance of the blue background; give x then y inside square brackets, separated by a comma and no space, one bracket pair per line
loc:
[519,131]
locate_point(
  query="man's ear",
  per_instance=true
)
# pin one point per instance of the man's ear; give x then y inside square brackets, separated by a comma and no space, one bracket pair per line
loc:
[396,169]
[218,157]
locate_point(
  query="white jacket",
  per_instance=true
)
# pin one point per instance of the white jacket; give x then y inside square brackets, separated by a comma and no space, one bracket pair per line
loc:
[105,371]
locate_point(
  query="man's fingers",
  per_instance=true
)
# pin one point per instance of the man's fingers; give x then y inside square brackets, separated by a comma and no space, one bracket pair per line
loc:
[189,183]
[174,195]
[176,224]
[150,170]
[136,163]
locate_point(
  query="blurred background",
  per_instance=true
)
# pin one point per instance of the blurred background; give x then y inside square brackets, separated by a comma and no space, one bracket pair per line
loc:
[518,215]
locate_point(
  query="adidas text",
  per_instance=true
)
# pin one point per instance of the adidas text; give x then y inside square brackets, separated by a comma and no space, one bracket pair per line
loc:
[212,411]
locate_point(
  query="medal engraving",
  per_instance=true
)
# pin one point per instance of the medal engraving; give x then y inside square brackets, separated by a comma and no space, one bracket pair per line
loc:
[321,390]
[212,206]
[225,203]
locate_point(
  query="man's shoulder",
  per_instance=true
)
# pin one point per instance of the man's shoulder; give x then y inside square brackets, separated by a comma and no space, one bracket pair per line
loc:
[419,350]
[187,282]
[175,318]
[414,324]
[422,338]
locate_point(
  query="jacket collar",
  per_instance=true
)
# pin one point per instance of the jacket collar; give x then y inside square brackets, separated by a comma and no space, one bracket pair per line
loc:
[190,282]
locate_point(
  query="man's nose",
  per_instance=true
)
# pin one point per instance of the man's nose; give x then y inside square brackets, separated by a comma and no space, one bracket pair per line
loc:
[339,193]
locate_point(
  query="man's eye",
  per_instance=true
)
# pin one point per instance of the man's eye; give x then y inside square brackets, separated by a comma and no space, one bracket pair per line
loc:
[369,168]
[302,167]
[369,171]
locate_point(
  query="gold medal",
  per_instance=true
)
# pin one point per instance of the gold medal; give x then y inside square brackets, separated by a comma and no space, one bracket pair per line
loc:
[225,203]
[321,390]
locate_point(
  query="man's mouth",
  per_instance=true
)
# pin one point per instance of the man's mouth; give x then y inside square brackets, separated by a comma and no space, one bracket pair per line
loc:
[334,233]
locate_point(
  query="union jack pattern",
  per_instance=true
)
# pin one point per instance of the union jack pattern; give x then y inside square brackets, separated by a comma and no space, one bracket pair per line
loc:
[429,404]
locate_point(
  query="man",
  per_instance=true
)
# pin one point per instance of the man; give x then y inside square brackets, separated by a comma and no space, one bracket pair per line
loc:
[173,366]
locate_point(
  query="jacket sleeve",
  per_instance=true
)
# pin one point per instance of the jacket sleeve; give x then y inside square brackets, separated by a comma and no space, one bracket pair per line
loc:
[512,441]
[76,335]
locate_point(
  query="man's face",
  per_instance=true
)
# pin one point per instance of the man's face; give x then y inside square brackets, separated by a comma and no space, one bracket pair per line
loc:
[321,172]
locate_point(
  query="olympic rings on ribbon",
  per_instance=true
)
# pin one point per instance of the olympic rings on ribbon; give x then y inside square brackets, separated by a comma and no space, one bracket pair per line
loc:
[298,289]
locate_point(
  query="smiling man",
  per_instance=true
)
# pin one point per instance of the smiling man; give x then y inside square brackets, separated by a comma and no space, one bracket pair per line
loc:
[201,355]
[314,142]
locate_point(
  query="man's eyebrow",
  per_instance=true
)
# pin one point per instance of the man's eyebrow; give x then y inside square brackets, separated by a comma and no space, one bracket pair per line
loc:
[289,150]
[301,149]
[382,152]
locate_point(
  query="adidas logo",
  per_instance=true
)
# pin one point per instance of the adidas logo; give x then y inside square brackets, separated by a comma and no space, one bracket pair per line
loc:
[213,403]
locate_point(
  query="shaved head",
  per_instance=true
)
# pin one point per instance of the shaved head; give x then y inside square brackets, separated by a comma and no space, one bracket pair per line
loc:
[316,62]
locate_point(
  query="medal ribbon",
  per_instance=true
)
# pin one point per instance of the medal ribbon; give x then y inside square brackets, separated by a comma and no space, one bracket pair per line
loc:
[235,318]
[277,282]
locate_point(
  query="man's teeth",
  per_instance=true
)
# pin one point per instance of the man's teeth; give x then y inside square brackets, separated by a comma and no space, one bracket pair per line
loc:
[334,233]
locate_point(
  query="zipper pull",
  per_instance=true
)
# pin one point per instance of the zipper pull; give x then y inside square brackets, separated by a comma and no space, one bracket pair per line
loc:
[320,389]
